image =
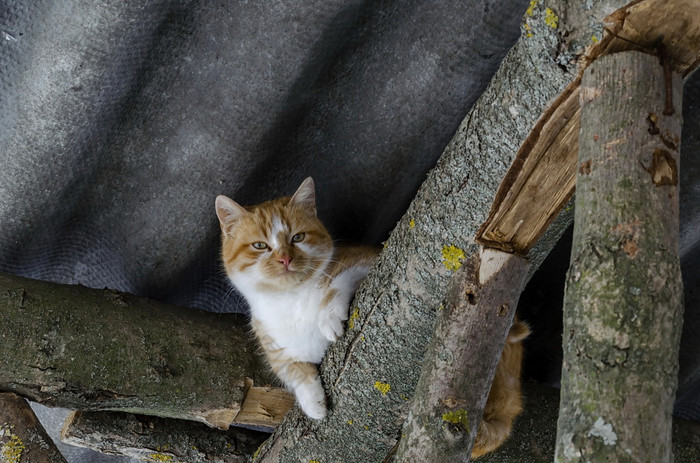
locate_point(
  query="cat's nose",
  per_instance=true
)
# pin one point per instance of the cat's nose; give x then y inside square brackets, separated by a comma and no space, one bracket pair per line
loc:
[284,260]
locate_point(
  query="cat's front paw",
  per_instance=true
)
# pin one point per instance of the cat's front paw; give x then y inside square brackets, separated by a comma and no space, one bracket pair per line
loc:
[331,326]
[312,400]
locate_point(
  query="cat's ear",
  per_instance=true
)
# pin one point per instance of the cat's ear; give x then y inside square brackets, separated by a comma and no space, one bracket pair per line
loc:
[228,211]
[305,196]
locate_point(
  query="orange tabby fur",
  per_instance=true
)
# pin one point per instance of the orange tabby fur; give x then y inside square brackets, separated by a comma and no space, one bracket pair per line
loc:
[504,403]
[297,283]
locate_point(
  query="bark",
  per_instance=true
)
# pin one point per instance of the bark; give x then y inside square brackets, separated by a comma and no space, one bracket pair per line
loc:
[370,375]
[22,437]
[159,439]
[624,297]
[461,361]
[87,349]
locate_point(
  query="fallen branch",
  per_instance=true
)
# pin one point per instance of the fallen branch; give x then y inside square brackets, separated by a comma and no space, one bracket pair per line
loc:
[159,439]
[87,349]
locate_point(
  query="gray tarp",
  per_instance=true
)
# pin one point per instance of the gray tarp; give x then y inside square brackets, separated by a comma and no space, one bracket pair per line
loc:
[120,122]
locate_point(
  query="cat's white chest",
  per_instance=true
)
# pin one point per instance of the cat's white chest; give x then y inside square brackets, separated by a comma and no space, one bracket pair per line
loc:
[292,320]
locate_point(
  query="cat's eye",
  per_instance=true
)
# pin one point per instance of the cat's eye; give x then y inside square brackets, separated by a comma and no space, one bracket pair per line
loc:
[298,237]
[260,245]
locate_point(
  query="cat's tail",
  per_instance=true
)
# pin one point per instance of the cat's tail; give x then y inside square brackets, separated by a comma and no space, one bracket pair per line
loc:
[504,403]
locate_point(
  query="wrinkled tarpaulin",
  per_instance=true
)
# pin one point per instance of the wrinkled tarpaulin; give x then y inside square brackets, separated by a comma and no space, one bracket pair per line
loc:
[121,121]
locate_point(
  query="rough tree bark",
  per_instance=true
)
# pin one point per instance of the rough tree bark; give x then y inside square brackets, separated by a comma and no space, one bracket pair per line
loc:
[624,298]
[87,349]
[461,361]
[22,438]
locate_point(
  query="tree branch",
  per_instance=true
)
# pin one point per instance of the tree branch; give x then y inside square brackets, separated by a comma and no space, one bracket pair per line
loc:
[461,360]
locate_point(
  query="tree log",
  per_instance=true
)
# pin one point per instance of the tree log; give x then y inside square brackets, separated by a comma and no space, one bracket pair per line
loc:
[461,361]
[159,439]
[624,297]
[22,437]
[86,349]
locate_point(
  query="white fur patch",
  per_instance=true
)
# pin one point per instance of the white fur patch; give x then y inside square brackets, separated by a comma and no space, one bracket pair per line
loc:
[279,229]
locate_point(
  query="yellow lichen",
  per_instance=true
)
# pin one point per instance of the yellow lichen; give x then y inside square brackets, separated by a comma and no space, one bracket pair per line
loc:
[353,316]
[382,387]
[452,257]
[411,223]
[531,9]
[350,422]
[11,451]
[160,457]
[528,32]
[314,461]
[257,452]
[550,18]
[457,417]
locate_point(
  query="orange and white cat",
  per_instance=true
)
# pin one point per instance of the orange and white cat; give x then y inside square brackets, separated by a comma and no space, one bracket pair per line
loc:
[298,285]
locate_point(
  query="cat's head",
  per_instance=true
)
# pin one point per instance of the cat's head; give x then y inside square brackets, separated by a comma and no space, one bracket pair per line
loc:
[276,245]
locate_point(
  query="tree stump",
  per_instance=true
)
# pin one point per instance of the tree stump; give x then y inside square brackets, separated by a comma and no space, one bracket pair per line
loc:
[624,297]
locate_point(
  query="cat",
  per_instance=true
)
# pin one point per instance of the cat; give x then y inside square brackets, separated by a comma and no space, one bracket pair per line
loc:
[504,402]
[298,284]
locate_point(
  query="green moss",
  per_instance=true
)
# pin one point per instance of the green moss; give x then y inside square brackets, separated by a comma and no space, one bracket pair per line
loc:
[625,182]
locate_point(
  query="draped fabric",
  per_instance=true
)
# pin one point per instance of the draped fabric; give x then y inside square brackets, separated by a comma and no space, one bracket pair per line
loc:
[120,122]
